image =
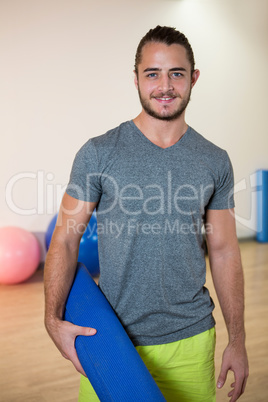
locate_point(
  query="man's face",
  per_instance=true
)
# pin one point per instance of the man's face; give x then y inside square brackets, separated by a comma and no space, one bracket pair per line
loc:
[164,80]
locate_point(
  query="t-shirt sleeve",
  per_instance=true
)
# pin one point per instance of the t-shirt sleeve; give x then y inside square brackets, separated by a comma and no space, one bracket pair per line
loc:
[223,196]
[84,183]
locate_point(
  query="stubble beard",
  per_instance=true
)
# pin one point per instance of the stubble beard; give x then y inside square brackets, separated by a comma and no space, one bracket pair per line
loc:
[165,117]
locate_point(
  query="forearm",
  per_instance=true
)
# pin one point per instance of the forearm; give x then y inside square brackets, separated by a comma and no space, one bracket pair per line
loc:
[227,274]
[58,276]
[59,273]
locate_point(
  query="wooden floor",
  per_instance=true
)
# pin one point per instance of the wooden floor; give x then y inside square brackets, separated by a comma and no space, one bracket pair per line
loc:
[32,370]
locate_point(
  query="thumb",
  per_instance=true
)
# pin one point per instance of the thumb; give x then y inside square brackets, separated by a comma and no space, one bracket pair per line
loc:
[88,331]
[85,331]
[222,376]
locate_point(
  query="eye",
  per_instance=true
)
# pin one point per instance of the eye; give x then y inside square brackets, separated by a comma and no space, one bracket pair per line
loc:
[151,75]
[176,75]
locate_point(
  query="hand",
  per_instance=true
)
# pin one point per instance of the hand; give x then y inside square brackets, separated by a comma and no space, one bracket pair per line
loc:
[234,359]
[63,334]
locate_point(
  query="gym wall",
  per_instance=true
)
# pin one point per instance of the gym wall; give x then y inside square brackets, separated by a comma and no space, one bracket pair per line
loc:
[67,75]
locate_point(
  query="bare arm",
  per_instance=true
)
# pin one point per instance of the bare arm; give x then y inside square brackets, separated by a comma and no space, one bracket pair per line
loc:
[227,275]
[59,272]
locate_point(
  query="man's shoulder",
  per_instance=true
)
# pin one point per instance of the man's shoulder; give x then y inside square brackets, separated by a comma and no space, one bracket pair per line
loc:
[111,137]
[200,141]
[106,141]
[206,151]
[103,147]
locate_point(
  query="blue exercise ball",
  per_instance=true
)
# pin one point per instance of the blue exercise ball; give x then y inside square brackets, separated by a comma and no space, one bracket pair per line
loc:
[88,248]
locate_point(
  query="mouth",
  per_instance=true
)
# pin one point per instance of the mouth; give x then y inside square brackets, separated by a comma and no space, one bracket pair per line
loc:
[165,99]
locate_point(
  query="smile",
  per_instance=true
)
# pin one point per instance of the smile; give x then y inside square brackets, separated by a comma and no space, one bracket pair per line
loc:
[165,99]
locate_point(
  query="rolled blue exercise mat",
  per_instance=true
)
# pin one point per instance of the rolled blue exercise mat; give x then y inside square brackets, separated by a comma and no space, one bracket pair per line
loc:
[262,206]
[109,358]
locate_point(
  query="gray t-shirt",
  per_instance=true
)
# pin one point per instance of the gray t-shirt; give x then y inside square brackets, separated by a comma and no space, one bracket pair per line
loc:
[151,208]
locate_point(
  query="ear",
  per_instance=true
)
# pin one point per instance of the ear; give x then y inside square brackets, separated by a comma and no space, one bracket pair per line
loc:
[136,79]
[195,77]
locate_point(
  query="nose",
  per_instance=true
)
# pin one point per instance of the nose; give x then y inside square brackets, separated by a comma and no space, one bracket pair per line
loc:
[165,83]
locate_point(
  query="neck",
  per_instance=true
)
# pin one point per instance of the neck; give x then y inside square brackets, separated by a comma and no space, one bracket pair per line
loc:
[161,132]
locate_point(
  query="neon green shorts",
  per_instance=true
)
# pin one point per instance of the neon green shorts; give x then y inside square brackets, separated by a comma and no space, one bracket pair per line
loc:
[183,370]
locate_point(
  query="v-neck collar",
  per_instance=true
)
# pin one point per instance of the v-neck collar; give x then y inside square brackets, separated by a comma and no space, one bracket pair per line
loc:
[146,139]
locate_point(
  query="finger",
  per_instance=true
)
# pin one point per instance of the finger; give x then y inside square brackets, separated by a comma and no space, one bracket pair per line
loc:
[232,390]
[231,393]
[237,391]
[222,377]
[84,331]
[65,356]
[74,359]
[81,331]
[244,384]
[68,349]
[79,368]
[77,329]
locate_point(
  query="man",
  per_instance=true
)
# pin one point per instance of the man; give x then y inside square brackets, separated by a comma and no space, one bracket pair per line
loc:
[155,182]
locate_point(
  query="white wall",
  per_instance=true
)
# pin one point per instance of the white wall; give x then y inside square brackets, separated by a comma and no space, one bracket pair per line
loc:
[66,75]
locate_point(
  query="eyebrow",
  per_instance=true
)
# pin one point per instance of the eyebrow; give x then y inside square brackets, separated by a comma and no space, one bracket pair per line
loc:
[159,69]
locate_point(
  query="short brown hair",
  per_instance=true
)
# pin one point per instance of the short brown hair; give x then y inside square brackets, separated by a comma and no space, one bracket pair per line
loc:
[168,36]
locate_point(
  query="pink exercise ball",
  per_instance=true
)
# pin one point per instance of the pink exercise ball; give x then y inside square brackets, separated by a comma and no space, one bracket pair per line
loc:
[19,255]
